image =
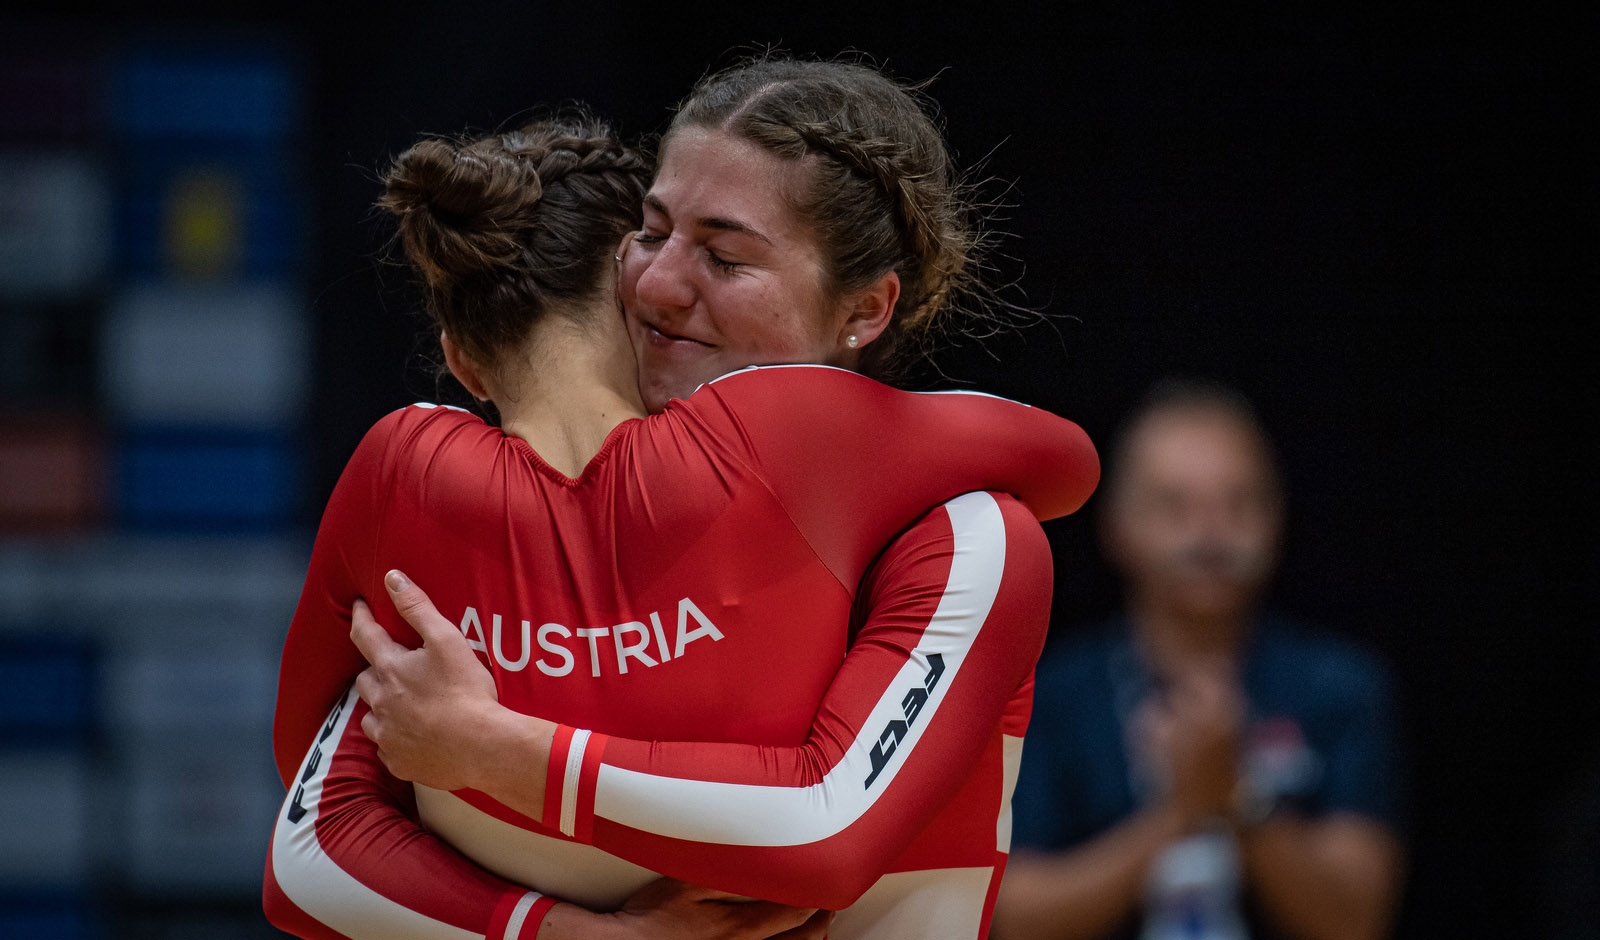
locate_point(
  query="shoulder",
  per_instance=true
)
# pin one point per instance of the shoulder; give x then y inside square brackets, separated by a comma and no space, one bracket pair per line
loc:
[426,417]
[422,428]
[782,414]
[763,397]
[418,415]
[825,379]
[759,382]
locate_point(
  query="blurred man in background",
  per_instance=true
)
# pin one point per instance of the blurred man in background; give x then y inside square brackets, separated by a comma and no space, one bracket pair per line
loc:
[1199,767]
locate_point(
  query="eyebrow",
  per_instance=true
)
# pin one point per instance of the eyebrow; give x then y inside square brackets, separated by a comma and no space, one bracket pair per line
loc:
[652,201]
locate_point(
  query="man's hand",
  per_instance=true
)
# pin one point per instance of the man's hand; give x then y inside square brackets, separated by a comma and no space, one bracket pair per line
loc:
[1193,733]
[426,703]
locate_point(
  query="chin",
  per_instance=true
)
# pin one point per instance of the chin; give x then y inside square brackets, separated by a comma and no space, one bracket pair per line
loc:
[678,381]
[655,399]
[657,394]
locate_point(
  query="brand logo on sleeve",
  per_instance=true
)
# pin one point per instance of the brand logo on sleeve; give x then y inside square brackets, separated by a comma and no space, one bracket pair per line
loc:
[911,706]
[297,810]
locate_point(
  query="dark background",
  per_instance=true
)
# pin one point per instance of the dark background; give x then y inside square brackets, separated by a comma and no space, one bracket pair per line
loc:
[1377,224]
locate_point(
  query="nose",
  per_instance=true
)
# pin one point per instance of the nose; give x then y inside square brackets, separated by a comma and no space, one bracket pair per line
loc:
[663,281]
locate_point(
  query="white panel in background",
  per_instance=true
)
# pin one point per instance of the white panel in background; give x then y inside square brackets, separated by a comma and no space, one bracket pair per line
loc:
[55,225]
[186,354]
[44,838]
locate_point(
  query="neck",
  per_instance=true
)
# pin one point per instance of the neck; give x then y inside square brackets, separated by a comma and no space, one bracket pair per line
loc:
[1172,641]
[569,387]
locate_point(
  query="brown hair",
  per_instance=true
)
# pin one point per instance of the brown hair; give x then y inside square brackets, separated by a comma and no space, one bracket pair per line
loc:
[884,194]
[507,228]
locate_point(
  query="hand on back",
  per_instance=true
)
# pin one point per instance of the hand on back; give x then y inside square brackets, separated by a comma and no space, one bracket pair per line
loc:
[423,701]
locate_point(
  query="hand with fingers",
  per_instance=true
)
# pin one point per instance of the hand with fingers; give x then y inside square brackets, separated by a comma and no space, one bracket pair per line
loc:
[429,704]
[1192,734]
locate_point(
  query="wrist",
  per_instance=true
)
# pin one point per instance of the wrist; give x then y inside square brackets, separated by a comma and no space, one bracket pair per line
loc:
[477,749]
[524,915]
[568,921]
[510,759]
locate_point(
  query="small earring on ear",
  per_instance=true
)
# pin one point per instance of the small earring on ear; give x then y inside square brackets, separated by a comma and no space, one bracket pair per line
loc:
[618,258]
[851,341]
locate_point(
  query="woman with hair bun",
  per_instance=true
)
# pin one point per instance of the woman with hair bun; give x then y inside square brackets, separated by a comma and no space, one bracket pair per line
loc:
[773,638]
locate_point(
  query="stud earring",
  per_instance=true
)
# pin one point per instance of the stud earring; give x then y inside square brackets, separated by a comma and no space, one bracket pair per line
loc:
[851,341]
[618,258]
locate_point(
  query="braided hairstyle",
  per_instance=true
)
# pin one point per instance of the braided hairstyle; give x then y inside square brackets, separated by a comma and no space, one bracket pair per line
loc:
[507,228]
[882,192]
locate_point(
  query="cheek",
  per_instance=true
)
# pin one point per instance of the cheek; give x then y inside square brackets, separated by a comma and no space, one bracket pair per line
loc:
[746,320]
[778,326]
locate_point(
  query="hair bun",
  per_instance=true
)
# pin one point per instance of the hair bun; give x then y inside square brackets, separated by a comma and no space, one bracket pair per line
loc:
[461,208]
[509,227]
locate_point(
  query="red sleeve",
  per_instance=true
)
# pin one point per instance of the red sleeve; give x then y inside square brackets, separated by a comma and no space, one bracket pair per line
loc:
[959,608]
[891,453]
[349,859]
[319,662]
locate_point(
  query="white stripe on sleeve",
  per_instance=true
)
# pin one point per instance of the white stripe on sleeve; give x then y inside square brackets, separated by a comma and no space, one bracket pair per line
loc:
[744,814]
[520,914]
[316,883]
[569,781]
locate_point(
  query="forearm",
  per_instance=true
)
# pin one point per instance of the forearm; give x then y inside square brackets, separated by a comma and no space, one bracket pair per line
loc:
[349,859]
[506,755]
[958,608]
[949,443]
[919,698]
[1088,891]
[1328,879]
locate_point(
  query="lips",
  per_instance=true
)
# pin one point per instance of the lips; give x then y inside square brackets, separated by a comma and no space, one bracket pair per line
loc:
[671,366]
[659,337]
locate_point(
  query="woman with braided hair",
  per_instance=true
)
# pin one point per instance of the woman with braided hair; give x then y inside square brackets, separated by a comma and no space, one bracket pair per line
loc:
[729,642]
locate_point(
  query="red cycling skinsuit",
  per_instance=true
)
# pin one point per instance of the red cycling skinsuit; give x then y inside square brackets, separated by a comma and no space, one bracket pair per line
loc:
[695,584]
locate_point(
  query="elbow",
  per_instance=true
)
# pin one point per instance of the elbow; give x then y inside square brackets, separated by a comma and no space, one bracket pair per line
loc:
[275,904]
[282,912]
[1074,497]
[1089,482]
[272,906]
[1088,477]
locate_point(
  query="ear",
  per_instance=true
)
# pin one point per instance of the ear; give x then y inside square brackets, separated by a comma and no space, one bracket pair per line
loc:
[871,310]
[623,246]
[464,368]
